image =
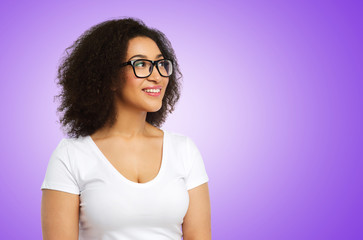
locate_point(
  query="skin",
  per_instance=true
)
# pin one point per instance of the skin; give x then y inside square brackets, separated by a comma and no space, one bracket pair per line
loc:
[60,210]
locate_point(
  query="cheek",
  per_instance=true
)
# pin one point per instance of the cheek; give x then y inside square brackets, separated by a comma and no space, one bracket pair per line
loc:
[130,78]
[132,84]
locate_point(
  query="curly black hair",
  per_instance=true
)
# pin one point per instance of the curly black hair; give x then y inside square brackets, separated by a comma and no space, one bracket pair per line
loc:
[89,73]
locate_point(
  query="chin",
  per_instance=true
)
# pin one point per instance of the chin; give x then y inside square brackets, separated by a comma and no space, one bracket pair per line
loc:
[153,108]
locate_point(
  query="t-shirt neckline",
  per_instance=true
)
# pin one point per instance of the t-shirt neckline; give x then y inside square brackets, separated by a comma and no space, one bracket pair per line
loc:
[122,177]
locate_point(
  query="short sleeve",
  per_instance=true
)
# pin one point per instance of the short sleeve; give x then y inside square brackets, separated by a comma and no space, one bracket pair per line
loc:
[59,174]
[195,169]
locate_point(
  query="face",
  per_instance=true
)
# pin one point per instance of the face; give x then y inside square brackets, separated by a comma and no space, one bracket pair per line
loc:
[132,93]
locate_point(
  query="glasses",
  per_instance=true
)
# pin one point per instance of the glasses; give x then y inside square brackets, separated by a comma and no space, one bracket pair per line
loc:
[144,67]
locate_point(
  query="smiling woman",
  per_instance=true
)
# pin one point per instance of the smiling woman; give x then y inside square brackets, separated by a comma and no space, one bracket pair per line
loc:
[119,176]
[135,82]
[93,64]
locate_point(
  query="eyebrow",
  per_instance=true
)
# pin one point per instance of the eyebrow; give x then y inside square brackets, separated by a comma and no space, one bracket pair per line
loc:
[143,56]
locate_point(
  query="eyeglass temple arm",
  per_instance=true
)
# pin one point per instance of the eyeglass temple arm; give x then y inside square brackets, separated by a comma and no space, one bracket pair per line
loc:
[126,63]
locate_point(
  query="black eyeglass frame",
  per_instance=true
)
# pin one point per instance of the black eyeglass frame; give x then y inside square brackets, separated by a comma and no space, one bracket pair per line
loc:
[154,63]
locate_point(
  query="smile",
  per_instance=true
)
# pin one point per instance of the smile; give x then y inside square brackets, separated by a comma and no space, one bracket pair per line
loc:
[152,92]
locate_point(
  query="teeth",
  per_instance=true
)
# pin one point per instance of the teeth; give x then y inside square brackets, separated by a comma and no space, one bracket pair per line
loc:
[152,90]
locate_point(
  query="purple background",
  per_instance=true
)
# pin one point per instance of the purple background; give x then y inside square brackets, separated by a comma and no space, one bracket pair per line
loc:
[272,96]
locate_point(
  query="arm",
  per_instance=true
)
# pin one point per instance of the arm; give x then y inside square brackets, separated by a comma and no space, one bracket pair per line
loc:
[197,221]
[59,215]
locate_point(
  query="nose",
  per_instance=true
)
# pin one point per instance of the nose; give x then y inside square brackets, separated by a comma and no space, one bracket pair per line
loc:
[155,75]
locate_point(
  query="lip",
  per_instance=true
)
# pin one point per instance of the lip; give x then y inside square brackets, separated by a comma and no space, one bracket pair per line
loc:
[153,87]
[152,93]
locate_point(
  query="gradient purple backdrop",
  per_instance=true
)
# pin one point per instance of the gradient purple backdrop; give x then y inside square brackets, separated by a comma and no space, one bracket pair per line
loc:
[272,96]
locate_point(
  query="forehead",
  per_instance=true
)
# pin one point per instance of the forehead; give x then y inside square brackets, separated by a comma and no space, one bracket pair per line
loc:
[142,45]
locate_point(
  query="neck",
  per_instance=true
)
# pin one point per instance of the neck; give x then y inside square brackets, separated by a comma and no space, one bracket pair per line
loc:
[130,123]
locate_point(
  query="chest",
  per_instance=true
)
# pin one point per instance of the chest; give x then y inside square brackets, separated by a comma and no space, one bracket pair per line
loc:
[111,205]
[139,162]
[119,208]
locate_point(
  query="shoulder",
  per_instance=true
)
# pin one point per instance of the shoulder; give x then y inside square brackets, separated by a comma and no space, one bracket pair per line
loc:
[61,147]
[75,142]
[177,137]
[181,142]
[180,138]
[78,154]
[71,148]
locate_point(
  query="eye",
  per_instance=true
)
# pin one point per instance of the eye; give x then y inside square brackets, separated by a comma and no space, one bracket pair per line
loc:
[139,64]
[163,64]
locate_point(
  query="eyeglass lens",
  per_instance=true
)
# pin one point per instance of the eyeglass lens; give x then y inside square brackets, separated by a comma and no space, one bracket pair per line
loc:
[143,68]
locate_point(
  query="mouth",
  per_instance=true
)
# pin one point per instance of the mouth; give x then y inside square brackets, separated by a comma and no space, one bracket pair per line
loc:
[152,91]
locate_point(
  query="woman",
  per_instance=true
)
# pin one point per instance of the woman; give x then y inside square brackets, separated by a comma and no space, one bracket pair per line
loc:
[119,176]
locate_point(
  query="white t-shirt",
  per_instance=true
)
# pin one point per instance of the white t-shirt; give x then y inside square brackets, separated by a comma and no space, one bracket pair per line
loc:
[113,207]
